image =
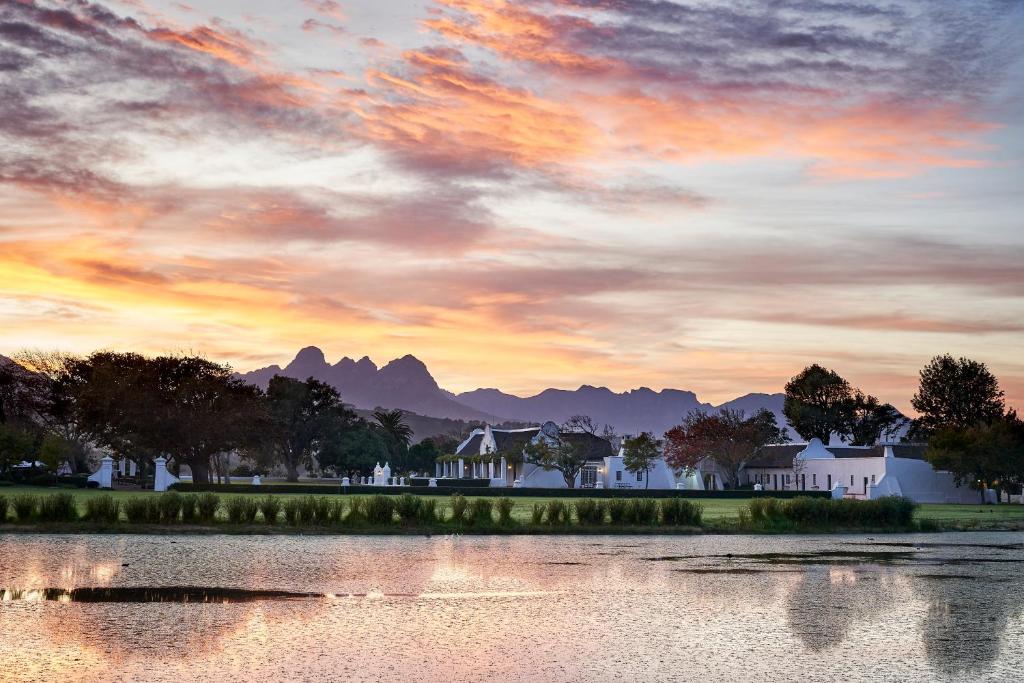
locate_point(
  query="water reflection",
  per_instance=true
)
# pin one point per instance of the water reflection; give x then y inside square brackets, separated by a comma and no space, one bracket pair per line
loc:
[967,618]
[593,608]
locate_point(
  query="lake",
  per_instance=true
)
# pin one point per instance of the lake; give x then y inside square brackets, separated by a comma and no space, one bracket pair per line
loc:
[581,608]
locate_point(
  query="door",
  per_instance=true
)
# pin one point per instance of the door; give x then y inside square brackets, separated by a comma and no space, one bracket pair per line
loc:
[830,482]
[588,477]
[803,482]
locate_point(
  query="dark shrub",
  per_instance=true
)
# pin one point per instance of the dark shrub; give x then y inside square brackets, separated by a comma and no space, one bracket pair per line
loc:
[408,508]
[271,508]
[241,509]
[459,508]
[537,514]
[556,512]
[207,507]
[25,506]
[617,510]
[323,510]
[380,509]
[641,511]
[78,481]
[293,511]
[103,508]
[141,509]
[679,511]
[189,507]
[4,505]
[307,510]
[41,480]
[824,513]
[480,511]
[92,484]
[428,511]
[59,507]
[590,511]
[356,509]
[169,505]
[505,506]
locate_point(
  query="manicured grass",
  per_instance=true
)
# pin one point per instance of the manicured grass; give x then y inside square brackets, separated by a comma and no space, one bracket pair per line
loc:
[718,513]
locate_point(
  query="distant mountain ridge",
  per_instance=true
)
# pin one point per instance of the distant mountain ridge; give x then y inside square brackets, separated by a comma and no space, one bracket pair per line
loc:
[406,383]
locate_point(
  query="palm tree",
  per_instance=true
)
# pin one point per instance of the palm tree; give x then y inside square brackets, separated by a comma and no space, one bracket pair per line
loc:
[393,423]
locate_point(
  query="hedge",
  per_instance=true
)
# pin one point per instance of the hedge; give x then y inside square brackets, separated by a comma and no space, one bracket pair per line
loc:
[477,490]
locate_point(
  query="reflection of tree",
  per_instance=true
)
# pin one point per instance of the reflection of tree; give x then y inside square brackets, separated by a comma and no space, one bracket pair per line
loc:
[966,618]
[826,602]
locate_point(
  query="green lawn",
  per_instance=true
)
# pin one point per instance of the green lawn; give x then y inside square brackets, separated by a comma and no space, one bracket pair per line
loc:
[715,509]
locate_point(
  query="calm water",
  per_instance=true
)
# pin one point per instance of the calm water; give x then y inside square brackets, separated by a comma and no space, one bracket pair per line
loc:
[608,608]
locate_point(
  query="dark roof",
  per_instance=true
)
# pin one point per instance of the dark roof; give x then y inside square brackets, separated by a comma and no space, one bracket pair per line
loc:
[471,447]
[776,457]
[782,456]
[511,442]
[595,447]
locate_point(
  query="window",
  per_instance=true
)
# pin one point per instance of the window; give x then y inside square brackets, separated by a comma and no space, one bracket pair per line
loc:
[639,475]
[618,475]
[851,480]
[872,479]
[787,480]
[814,479]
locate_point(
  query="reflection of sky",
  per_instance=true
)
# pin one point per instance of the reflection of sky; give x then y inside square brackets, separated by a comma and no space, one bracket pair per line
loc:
[532,608]
[706,196]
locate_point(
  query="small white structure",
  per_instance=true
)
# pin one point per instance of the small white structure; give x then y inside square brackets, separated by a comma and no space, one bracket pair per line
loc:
[162,479]
[105,474]
[256,481]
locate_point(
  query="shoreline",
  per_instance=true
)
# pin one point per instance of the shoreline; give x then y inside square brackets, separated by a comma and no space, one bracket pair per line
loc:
[84,528]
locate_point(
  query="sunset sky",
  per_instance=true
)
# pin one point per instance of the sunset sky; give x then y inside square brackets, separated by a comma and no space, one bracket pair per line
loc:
[697,195]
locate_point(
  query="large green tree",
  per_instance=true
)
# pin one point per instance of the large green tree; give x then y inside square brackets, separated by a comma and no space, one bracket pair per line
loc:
[955,393]
[984,455]
[185,408]
[304,418]
[871,420]
[555,452]
[819,403]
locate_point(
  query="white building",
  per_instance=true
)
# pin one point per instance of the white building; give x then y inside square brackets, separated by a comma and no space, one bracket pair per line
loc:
[866,472]
[497,455]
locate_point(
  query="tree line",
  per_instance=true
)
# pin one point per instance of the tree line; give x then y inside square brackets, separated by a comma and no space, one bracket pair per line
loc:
[194,412]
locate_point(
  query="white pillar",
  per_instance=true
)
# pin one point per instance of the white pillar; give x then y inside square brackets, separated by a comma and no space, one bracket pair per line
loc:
[504,470]
[462,466]
[162,479]
[104,475]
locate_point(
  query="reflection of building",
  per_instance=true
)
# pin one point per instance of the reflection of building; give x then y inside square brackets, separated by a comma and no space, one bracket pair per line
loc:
[497,454]
[864,471]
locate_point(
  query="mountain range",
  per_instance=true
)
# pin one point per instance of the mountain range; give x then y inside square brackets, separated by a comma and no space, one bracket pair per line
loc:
[406,383]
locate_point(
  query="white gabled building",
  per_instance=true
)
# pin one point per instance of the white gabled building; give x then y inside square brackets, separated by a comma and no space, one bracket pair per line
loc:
[866,472]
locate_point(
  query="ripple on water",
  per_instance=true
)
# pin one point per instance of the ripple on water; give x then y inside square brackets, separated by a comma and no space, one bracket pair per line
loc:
[85,608]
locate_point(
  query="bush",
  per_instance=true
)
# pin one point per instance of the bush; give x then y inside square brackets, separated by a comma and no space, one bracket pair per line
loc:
[41,480]
[537,514]
[207,507]
[241,510]
[428,510]
[380,509]
[825,513]
[293,511]
[78,481]
[169,505]
[480,511]
[505,506]
[189,507]
[459,507]
[323,510]
[307,510]
[4,505]
[243,470]
[141,510]
[59,507]
[556,512]
[356,509]
[641,511]
[25,505]
[408,508]
[271,508]
[679,511]
[590,511]
[617,510]
[103,508]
